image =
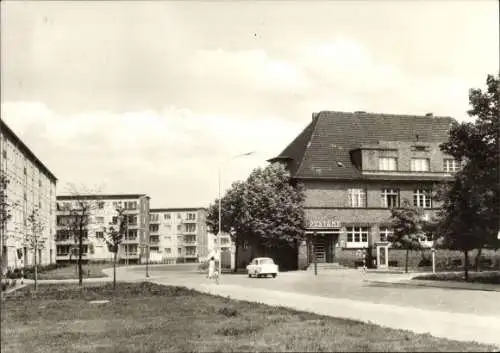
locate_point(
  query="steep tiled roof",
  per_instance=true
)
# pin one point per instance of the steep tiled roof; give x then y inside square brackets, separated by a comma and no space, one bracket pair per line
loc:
[323,148]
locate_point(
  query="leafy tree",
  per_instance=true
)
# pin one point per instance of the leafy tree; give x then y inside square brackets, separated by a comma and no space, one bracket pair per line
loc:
[408,225]
[266,210]
[471,204]
[34,238]
[114,236]
[232,216]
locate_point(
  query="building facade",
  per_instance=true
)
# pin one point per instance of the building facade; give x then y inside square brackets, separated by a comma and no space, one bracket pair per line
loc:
[31,186]
[179,235]
[355,168]
[102,213]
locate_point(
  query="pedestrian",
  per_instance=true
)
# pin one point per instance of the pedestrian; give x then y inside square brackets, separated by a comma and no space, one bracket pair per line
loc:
[212,273]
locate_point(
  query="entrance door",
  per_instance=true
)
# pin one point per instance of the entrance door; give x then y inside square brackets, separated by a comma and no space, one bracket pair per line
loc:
[320,248]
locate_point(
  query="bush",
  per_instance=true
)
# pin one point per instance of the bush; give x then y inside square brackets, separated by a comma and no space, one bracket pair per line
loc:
[4,286]
[13,283]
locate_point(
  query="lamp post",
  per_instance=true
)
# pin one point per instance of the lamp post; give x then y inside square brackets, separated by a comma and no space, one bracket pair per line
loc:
[219,243]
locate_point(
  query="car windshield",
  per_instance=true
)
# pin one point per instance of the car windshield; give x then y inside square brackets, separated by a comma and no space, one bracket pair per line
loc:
[267,262]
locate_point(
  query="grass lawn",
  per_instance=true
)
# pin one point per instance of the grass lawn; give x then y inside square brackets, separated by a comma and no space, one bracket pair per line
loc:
[487,277]
[90,270]
[145,317]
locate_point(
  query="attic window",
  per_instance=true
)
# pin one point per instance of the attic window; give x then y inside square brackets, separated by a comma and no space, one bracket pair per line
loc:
[340,164]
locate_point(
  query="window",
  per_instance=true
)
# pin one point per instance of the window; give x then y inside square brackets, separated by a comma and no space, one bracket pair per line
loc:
[100,204]
[357,236]
[179,228]
[154,227]
[451,165]
[168,227]
[114,220]
[179,251]
[387,163]
[390,198]
[420,165]
[132,220]
[179,238]
[357,197]
[191,216]
[154,249]
[154,217]
[166,216]
[168,238]
[99,235]
[132,234]
[131,205]
[168,251]
[422,198]
[99,220]
[179,215]
[190,228]
[385,233]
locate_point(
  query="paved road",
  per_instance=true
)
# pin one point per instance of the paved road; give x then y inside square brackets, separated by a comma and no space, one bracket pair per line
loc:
[345,284]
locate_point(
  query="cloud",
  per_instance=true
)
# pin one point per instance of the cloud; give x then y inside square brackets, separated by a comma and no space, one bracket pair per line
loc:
[166,154]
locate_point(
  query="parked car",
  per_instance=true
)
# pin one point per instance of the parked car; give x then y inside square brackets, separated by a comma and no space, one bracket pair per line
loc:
[262,266]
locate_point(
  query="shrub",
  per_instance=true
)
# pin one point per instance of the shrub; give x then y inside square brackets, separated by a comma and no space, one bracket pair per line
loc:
[13,283]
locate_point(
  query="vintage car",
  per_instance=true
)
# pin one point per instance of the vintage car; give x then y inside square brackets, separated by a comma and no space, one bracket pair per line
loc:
[262,266]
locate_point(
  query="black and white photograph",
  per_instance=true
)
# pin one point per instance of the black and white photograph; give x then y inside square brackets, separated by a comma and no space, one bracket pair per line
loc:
[249,176]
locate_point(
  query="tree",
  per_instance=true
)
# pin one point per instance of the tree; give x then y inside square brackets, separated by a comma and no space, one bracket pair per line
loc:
[34,238]
[408,225]
[114,236]
[471,204]
[77,216]
[266,210]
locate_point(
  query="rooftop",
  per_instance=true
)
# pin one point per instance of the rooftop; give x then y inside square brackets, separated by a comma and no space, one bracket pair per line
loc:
[176,209]
[25,149]
[100,197]
[323,149]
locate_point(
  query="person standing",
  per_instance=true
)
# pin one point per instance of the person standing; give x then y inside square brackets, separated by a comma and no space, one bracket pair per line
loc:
[212,273]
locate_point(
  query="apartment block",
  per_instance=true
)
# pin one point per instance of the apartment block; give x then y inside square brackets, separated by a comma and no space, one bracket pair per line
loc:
[179,235]
[134,248]
[355,168]
[31,186]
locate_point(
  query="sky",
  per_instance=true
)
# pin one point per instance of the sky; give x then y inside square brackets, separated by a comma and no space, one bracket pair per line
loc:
[156,97]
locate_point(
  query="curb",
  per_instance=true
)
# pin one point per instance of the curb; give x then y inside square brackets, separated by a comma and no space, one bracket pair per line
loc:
[415,283]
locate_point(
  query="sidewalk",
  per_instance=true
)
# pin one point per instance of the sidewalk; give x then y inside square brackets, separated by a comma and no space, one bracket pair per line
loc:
[456,326]
[408,281]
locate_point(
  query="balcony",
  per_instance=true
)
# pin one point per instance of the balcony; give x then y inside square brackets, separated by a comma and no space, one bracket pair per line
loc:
[154,240]
[130,240]
[191,255]
[130,255]
[190,220]
[71,241]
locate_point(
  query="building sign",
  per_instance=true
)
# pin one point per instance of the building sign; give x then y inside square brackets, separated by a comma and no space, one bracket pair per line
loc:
[322,223]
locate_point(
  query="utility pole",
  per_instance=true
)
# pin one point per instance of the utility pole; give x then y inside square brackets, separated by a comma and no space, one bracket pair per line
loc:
[314,255]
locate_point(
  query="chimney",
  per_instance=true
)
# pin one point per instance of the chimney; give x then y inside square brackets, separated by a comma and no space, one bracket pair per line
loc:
[429,114]
[359,112]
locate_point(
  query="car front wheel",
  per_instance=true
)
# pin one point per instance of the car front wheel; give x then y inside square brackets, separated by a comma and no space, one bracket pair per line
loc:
[274,275]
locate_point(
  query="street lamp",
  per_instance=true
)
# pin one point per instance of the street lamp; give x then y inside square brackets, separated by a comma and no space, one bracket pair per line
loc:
[220,205]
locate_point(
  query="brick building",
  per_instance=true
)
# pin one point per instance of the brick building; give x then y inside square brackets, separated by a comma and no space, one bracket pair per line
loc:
[357,166]
[134,247]
[179,235]
[31,186]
